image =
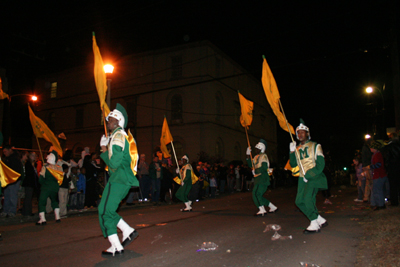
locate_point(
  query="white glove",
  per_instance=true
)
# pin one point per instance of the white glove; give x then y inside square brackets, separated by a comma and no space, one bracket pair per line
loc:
[253,172]
[177,170]
[305,180]
[248,151]
[104,140]
[292,146]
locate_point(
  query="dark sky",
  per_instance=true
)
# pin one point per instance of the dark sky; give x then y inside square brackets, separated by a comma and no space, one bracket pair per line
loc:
[322,53]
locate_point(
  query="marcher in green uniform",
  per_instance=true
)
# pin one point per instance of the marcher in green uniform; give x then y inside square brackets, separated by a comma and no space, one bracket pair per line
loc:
[261,178]
[116,154]
[313,162]
[49,188]
[185,176]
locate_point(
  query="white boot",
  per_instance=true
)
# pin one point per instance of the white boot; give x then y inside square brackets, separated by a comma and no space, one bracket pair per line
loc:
[322,221]
[261,212]
[116,247]
[42,219]
[272,208]
[57,215]
[190,203]
[312,228]
[187,208]
[128,233]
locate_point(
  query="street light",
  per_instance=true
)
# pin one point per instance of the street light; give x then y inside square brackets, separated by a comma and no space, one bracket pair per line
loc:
[108,69]
[32,97]
[367,136]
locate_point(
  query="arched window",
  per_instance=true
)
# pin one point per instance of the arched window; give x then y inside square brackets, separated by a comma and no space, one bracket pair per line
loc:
[178,149]
[218,107]
[236,151]
[176,108]
[219,148]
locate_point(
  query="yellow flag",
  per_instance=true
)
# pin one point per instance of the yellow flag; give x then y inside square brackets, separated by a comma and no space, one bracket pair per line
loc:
[295,171]
[247,111]
[2,94]
[59,175]
[133,152]
[165,139]
[7,175]
[41,130]
[272,93]
[100,77]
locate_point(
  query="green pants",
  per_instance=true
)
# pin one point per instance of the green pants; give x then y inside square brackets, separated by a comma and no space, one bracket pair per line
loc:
[306,200]
[183,192]
[258,191]
[113,194]
[44,194]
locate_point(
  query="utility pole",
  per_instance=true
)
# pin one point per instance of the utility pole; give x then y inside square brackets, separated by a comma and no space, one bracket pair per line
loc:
[395,64]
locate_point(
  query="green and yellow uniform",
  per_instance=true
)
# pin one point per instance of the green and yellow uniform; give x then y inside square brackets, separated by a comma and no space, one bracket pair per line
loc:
[261,179]
[49,187]
[185,175]
[313,161]
[122,178]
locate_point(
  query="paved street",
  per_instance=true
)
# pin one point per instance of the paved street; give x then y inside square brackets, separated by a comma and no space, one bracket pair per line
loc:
[168,237]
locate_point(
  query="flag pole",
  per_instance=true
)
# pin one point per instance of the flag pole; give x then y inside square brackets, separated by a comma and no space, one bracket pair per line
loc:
[173,150]
[104,122]
[291,136]
[248,143]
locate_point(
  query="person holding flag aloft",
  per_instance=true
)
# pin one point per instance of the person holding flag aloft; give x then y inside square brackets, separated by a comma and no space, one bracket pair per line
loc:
[261,177]
[120,155]
[311,177]
[49,186]
[185,179]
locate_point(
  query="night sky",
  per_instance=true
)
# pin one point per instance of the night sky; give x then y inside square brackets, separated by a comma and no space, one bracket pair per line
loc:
[322,53]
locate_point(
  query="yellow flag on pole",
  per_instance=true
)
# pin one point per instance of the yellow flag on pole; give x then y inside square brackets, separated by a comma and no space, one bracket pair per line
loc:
[100,77]
[7,175]
[2,94]
[247,111]
[165,139]
[41,130]
[272,93]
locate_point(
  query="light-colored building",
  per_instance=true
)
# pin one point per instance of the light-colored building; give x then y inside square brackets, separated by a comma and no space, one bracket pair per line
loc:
[194,85]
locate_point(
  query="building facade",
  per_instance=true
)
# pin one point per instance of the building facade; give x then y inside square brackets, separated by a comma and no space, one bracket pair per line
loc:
[195,86]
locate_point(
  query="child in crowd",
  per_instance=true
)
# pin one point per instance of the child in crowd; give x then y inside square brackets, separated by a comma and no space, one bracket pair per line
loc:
[360,180]
[73,192]
[213,184]
[81,190]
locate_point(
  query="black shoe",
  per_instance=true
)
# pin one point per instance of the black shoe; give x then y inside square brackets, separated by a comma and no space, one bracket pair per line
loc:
[130,238]
[307,232]
[106,253]
[260,214]
[183,210]
[325,224]
[273,211]
[58,221]
[42,223]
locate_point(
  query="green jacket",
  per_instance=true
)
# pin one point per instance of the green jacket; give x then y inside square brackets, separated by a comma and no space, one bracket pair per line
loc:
[119,160]
[48,182]
[313,161]
[261,165]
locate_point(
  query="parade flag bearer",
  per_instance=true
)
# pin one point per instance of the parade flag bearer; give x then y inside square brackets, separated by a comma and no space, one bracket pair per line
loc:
[120,155]
[261,178]
[312,179]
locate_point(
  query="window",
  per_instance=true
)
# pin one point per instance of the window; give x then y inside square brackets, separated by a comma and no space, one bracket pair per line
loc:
[176,108]
[218,106]
[178,149]
[52,121]
[219,148]
[236,152]
[79,118]
[176,67]
[53,90]
[237,114]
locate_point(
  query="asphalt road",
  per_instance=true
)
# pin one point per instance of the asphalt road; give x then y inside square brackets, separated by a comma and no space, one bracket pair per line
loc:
[168,237]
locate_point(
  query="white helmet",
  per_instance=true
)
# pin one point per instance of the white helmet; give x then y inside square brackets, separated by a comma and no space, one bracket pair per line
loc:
[303,127]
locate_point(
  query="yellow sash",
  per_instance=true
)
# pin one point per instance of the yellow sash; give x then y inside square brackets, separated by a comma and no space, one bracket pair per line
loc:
[183,173]
[59,175]
[133,152]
